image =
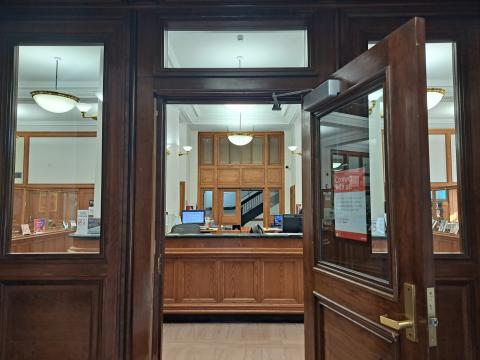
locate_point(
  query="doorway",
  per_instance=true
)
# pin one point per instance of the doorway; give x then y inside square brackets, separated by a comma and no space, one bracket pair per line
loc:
[225,250]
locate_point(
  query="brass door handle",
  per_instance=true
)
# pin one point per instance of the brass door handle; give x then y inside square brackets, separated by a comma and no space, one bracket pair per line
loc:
[396,324]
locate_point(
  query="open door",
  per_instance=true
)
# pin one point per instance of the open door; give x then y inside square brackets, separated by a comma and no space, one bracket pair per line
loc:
[369,273]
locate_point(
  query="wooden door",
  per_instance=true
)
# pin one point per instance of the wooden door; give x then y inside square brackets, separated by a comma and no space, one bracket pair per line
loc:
[230,208]
[292,199]
[369,278]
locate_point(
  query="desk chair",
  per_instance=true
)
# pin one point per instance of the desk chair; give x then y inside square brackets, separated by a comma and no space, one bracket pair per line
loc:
[186,229]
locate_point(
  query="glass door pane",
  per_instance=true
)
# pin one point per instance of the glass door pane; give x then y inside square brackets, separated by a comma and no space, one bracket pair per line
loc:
[354,221]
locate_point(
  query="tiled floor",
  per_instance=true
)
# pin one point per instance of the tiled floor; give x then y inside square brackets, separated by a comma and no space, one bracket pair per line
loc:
[233,342]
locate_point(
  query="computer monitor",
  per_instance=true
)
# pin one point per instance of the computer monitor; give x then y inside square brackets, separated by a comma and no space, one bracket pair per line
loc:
[277,220]
[193,217]
[292,223]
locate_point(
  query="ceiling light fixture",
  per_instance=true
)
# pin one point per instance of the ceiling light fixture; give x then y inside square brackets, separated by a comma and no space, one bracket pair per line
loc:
[434,96]
[55,101]
[240,138]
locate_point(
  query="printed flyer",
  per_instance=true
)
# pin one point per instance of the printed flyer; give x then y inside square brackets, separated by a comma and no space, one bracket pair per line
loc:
[350,204]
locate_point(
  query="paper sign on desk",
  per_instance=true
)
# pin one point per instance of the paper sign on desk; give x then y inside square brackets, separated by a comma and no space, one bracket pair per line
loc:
[82,222]
[350,204]
[26,229]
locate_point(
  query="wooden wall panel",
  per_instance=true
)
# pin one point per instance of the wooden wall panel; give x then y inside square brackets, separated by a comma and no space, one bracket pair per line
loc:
[281,281]
[240,281]
[228,177]
[275,177]
[254,177]
[455,307]
[45,322]
[215,274]
[344,339]
[206,176]
[170,277]
[200,281]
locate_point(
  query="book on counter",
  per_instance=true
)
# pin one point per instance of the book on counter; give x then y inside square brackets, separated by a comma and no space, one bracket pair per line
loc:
[39,225]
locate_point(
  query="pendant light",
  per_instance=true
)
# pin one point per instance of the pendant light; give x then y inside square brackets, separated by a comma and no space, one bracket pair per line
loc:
[434,96]
[55,101]
[240,138]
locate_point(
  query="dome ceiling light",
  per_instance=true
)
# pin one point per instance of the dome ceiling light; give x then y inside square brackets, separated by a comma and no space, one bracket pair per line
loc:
[240,138]
[434,96]
[55,101]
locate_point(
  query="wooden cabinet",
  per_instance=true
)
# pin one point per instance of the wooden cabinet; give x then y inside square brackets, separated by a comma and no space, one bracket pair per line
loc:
[236,274]
[258,165]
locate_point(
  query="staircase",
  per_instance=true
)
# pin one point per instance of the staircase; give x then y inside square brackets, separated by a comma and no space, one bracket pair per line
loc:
[252,205]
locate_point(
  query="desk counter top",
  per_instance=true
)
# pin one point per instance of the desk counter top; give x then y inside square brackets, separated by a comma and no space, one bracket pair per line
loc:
[236,235]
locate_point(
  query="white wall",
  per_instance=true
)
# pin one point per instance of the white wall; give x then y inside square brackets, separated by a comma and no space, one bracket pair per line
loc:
[55,160]
[192,183]
[173,165]
[293,175]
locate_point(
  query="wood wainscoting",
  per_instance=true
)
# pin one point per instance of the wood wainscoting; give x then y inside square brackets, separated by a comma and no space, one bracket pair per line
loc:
[233,274]
[47,242]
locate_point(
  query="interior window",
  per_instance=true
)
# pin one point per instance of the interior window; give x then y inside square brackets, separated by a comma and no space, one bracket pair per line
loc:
[443,144]
[58,152]
[354,218]
[223,49]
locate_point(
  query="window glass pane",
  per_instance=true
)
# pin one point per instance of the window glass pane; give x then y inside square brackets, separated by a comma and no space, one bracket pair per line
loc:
[354,233]
[442,124]
[235,153]
[274,150]
[257,150]
[236,49]
[208,203]
[229,203]
[207,150]
[274,202]
[252,207]
[224,150]
[19,159]
[57,202]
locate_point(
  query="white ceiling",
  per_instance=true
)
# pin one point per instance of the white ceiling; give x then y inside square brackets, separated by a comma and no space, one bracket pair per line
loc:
[221,49]
[78,63]
[80,74]
[256,117]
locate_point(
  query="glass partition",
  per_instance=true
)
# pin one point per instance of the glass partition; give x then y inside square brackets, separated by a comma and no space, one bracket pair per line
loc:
[58,152]
[443,146]
[230,49]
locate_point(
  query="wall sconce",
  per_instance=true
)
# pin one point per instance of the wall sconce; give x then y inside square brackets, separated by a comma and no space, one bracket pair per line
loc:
[187,150]
[84,108]
[293,148]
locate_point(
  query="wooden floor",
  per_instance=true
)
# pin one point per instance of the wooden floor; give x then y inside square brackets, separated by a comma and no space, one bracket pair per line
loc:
[233,342]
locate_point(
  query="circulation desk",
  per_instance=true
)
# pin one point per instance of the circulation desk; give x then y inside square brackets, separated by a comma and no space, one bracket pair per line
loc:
[233,273]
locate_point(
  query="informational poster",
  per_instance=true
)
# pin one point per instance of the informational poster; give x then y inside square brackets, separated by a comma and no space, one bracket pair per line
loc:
[350,204]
